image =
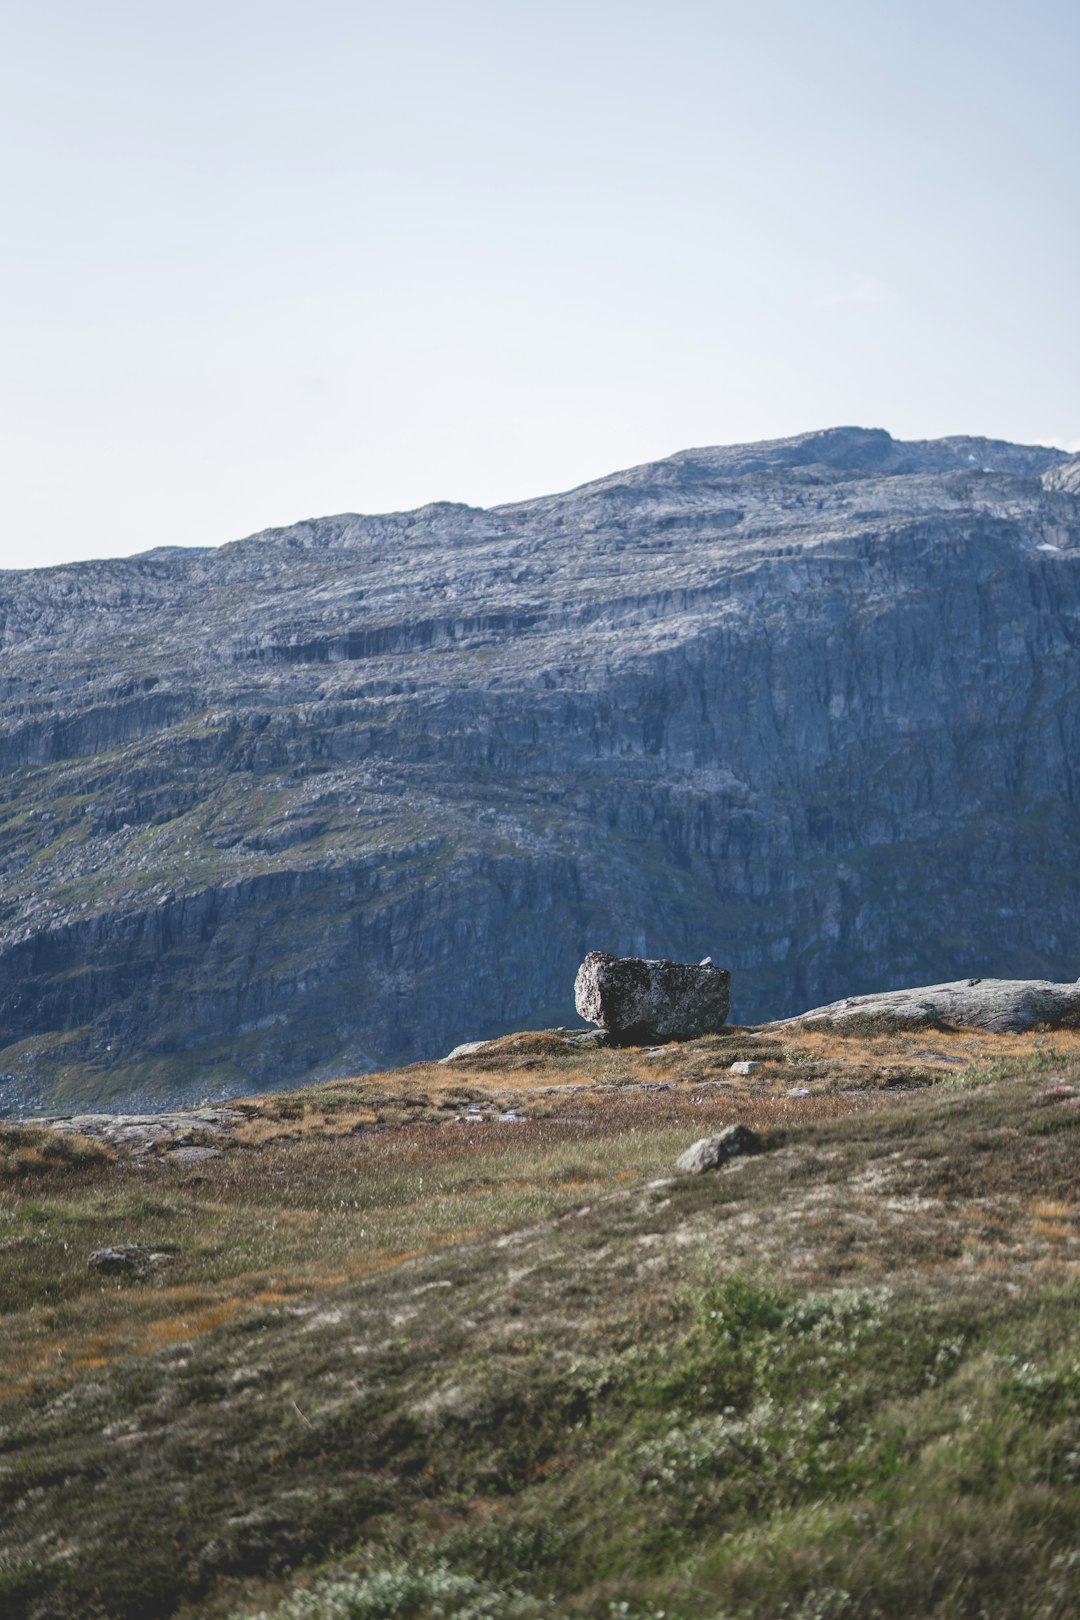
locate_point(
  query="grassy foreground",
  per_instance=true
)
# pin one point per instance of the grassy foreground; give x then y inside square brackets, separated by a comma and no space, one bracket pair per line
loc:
[403,1355]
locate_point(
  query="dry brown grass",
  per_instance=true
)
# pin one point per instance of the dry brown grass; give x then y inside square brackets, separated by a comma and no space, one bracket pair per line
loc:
[29,1150]
[396,1217]
[277,1215]
[539,1073]
[297,1159]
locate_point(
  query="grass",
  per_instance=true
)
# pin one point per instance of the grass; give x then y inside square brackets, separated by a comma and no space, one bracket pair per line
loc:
[517,1368]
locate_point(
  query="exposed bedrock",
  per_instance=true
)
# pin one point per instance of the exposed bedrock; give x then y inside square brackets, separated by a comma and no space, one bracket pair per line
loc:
[1003,1005]
[341,794]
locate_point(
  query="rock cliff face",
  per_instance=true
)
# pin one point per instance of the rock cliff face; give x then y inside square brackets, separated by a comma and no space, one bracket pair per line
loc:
[349,792]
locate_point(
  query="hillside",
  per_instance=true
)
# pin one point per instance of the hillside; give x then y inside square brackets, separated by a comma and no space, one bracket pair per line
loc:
[457,1340]
[345,793]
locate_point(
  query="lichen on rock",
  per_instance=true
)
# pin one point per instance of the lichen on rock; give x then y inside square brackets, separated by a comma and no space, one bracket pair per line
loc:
[638,1000]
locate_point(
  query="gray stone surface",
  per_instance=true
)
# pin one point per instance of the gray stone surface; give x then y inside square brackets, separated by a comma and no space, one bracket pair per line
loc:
[997,1004]
[636,1001]
[129,1260]
[465,1049]
[1064,476]
[713,1151]
[165,1131]
[329,797]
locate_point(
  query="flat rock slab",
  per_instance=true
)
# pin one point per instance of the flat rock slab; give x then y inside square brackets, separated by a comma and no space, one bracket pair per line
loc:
[141,1132]
[713,1151]
[638,1001]
[1002,1005]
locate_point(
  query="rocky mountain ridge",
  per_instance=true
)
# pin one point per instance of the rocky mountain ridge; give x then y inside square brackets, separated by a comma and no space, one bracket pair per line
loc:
[344,793]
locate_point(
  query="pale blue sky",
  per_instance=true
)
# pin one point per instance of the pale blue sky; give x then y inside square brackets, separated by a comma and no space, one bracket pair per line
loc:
[264,261]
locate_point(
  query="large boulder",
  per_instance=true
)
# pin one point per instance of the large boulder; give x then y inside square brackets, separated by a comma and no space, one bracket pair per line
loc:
[1002,1005]
[636,1001]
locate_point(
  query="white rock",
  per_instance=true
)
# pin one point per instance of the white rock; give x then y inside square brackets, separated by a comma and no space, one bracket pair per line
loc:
[466,1049]
[713,1151]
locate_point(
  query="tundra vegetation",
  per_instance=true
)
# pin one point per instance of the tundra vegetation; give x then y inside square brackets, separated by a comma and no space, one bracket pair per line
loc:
[455,1340]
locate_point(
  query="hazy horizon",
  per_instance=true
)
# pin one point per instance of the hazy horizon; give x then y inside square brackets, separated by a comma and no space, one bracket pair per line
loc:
[263,265]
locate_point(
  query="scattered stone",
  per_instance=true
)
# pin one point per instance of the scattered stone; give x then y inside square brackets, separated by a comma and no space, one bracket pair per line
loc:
[713,1151]
[1001,1005]
[128,1259]
[747,1066]
[640,1002]
[801,1091]
[191,1155]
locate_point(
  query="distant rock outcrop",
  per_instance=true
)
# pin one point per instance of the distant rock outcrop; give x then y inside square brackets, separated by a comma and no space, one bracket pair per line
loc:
[998,1004]
[328,798]
[635,1001]
[1065,476]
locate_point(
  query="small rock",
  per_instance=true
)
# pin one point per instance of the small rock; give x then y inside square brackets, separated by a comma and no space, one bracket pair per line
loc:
[128,1259]
[804,1091]
[748,1066]
[713,1151]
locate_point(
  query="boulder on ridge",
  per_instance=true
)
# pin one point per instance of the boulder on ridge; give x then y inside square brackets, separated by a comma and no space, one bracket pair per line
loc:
[637,1001]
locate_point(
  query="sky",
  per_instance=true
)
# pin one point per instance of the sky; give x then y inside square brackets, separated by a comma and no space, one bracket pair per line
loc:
[262,261]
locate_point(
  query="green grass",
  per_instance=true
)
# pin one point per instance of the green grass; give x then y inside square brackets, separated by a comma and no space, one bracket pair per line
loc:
[517,1371]
[841,1453]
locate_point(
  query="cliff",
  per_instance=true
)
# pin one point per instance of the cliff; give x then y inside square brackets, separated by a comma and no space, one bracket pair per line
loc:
[346,793]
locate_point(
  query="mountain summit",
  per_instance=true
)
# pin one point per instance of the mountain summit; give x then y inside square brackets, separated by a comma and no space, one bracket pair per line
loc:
[348,792]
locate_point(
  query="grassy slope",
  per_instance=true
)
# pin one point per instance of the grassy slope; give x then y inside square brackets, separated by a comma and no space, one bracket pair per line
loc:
[504,1368]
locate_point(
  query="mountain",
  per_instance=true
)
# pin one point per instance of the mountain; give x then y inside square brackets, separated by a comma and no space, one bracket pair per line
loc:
[346,793]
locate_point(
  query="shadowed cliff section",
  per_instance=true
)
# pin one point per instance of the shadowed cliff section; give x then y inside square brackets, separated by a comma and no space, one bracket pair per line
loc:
[349,792]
